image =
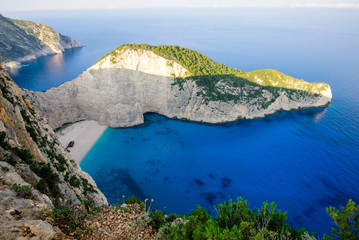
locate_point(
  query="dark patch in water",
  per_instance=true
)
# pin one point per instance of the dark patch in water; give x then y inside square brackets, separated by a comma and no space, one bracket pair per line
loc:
[132,138]
[165,179]
[144,139]
[307,185]
[157,171]
[213,176]
[209,197]
[153,162]
[309,212]
[199,182]
[226,182]
[336,198]
[126,142]
[122,176]
[297,221]
[220,195]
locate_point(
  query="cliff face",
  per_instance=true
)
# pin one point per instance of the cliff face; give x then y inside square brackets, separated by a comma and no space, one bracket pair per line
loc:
[124,85]
[36,171]
[22,40]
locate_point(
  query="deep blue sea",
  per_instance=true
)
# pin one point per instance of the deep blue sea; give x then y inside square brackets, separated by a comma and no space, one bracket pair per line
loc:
[304,161]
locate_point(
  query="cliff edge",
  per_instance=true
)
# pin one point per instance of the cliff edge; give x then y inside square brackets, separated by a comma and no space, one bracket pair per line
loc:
[36,172]
[176,82]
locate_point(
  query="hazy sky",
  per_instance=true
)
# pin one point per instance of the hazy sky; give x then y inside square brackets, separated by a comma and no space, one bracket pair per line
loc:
[21,5]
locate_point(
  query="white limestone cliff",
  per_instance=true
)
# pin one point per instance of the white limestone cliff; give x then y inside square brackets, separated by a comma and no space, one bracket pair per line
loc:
[121,87]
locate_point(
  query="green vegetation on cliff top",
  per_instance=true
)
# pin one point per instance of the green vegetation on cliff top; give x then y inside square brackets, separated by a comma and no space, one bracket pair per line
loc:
[15,43]
[200,65]
[41,31]
[218,82]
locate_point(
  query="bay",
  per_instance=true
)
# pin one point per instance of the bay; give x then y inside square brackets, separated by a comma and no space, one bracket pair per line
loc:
[304,161]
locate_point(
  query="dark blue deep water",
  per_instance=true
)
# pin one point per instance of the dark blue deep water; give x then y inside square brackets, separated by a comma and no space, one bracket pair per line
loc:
[304,161]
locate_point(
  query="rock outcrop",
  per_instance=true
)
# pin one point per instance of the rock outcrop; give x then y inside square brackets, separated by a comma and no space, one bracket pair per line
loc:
[22,40]
[36,172]
[131,81]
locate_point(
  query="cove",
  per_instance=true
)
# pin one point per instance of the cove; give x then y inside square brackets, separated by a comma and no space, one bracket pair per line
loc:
[304,161]
[282,158]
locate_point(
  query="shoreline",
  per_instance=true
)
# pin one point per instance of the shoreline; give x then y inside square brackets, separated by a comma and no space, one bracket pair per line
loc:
[84,134]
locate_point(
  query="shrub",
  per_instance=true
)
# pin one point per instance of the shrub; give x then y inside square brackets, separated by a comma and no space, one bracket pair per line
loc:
[11,161]
[5,169]
[74,181]
[67,218]
[87,186]
[42,185]
[133,200]
[158,218]
[234,221]
[346,220]
[24,154]
[3,143]
[23,191]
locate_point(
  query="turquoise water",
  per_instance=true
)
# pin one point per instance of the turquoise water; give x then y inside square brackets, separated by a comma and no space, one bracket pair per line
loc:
[304,161]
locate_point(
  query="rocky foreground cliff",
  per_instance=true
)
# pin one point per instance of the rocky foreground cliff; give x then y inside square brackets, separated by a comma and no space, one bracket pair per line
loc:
[22,40]
[36,172]
[176,82]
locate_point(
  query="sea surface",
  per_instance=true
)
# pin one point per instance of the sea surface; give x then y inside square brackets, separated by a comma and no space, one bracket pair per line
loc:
[304,161]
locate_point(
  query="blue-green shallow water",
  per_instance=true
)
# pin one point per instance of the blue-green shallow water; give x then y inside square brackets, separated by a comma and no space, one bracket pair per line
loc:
[304,161]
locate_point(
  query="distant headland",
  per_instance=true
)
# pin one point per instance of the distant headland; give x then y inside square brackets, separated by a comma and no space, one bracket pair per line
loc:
[22,41]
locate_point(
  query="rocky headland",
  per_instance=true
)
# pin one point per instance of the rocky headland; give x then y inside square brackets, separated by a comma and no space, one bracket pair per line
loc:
[176,82]
[36,172]
[22,41]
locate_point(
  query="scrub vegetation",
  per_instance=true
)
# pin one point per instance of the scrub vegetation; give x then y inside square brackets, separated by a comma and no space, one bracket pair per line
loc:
[234,220]
[218,82]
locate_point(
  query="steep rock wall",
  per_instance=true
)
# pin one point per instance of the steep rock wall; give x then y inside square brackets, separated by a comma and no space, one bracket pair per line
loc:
[36,172]
[119,89]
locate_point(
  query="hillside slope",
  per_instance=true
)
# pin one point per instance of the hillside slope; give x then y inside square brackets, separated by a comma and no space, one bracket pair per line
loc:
[36,172]
[22,40]
[176,82]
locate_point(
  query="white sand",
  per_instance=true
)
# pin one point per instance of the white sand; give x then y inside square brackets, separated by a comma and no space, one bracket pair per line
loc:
[84,133]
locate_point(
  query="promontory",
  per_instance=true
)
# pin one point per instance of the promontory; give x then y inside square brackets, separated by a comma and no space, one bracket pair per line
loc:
[22,41]
[176,82]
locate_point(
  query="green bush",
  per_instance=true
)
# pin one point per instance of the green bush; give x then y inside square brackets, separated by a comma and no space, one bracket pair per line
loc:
[11,161]
[5,169]
[158,218]
[3,143]
[87,186]
[42,186]
[67,218]
[133,200]
[346,220]
[23,191]
[24,154]
[234,221]
[74,181]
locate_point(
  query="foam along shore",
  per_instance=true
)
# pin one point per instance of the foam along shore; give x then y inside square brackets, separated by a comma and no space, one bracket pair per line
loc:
[84,134]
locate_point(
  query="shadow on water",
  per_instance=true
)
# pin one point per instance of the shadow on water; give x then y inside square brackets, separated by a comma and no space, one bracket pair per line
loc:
[225,182]
[117,180]
[199,182]
[336,196]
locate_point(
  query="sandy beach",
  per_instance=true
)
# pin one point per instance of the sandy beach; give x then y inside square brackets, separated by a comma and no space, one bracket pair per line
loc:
[84,134]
